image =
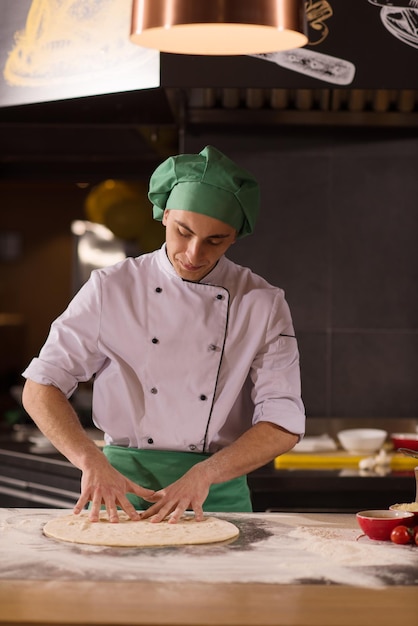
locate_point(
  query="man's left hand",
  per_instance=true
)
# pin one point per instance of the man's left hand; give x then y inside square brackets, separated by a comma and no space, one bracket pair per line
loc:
[187,493]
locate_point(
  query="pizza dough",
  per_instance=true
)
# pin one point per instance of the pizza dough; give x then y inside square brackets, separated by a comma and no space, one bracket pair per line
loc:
[126,533]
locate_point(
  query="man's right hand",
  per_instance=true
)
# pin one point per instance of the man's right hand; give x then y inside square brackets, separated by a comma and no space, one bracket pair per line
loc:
[101,485]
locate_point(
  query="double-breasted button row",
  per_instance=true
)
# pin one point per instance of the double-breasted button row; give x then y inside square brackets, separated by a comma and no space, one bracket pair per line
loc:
[192,447]
[219,296]
[212,347]
[202,396]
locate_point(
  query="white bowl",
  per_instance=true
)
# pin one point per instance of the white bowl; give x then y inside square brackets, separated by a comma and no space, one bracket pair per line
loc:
[362,440]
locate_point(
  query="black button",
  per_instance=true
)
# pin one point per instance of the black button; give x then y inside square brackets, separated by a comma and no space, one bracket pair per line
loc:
[203,397]
[150,440]
[192,447]
[154,390]
[212,347]
[154,340]
[158,289]
[220,296]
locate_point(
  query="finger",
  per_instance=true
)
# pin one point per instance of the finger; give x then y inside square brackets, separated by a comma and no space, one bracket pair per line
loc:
[150,497]
[160,516]
[177,514]
[148,512]
[80,504]
[146,494]
[112,512]
[157,497]
[156,513]
[198,513]
[129,509]
[94,512]
[174,510]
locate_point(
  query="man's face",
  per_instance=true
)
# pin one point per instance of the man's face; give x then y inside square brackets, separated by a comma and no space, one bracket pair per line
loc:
[195,242]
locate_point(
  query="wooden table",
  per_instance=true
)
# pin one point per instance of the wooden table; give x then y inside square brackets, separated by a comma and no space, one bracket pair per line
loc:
[224,585]
[202,604]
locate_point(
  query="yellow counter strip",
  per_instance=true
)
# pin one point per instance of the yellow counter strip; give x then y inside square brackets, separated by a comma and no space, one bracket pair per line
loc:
[337,460]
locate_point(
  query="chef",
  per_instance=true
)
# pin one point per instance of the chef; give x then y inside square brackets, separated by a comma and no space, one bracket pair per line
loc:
[194,359]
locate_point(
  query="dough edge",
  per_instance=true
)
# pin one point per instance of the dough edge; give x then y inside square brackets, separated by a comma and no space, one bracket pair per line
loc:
[127,533]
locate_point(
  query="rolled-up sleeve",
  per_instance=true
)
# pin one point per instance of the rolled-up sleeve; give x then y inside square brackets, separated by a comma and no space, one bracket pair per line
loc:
[70,354]
[275,374]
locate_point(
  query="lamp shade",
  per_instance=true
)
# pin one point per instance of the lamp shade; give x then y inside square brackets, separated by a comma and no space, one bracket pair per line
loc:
[219,27]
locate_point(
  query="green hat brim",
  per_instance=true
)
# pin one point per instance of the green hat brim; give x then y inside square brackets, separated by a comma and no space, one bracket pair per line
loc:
[207,200]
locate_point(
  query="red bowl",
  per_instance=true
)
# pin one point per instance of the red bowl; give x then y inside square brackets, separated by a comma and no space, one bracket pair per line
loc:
[378,524]
[405,440]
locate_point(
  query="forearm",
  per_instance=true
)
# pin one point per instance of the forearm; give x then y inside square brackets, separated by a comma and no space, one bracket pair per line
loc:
[256,447]
[56,418]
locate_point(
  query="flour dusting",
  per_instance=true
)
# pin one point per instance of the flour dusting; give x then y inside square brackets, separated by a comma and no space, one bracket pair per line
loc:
[349,547]
[272,548]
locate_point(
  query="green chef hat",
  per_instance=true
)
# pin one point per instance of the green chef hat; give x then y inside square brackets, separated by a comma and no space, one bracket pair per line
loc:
[208,183]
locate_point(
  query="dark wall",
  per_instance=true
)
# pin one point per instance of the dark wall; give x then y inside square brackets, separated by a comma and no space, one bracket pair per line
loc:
[36,272]
[338,231]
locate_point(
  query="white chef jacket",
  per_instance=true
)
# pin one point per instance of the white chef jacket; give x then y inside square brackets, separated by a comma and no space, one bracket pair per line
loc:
[177,365]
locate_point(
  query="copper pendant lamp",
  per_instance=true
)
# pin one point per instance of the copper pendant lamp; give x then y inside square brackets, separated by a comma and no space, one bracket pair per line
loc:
[219,27]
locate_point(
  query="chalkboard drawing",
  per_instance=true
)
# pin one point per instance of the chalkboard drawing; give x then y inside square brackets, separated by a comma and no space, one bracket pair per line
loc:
[315,64]
[311,63]
[399,4]
[317,12]
[402,24]
[400,18]
[68,41]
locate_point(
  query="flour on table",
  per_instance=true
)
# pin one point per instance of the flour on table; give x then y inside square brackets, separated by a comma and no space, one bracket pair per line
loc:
[127,533]
[340,546]
[271,548]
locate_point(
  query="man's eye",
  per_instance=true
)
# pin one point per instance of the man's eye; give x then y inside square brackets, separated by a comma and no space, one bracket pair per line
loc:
[183,233]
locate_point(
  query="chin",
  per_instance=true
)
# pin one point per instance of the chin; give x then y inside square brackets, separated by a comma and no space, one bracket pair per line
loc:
[190,276]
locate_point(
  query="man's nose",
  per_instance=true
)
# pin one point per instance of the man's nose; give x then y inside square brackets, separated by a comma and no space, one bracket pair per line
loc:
[194,250]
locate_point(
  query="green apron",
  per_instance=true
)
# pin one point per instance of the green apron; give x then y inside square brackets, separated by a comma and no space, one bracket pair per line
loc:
[156,469]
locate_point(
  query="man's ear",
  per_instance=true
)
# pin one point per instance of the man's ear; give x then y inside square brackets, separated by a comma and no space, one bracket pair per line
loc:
[164,220]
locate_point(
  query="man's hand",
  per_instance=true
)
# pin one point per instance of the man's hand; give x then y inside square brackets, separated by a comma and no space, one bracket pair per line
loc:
[189,492]
[103,484]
